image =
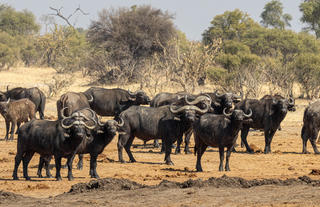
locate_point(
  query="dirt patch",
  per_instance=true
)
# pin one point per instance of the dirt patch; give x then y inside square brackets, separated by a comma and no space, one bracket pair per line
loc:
[315,172]
[110,184]
[255,148]
[8,196]
[114,184]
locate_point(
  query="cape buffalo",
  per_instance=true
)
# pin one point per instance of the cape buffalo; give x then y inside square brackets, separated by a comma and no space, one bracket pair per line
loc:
[59,138]
[218,131]
[33,94]
[166,122]
[16,112]
[311,126]
[267,115]
[111,102]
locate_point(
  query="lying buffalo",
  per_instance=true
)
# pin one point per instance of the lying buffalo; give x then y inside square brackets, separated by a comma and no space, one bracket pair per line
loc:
[111,102]
[33,94]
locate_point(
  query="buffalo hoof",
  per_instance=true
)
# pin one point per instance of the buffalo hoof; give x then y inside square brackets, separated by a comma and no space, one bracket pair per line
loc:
[156,146]
[132,161]
[250,151]
[122,161]
[305,152]
[227,169]
[40,176]
[95,176]
[317,153]
[27,178]
[199,170]
[177,152]
[15,178]
[187,152]
[220,169]
[169,163]
[58,178]
[79,167]
[64,166]
[49,176]
[70,178]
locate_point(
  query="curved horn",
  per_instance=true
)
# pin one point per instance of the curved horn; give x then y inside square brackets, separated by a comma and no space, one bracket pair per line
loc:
[248,115]
[236,96]
[87,126]
[132,93]
[120,124]
[225,113]
[65,126]
[175,111]
[291,101]
[62,113]
[8,100]
[198,99]
[91,98]
[217,94]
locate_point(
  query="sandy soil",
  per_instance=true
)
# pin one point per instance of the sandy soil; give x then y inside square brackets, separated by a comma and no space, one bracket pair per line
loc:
[285,162]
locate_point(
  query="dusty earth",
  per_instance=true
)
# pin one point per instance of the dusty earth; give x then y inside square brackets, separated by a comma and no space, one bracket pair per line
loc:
[284,178]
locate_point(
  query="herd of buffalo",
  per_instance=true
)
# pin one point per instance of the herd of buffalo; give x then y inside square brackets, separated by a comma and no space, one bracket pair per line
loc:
[215,119]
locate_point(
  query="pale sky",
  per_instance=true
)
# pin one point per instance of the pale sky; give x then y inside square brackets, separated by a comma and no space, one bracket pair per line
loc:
[191,17]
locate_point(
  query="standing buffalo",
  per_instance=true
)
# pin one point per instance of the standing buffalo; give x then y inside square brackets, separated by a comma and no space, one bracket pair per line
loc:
[166,122]
[218,131]
[72,101]
[163,99]
[59,138]
[111,102]
[102,135]
[267,114]
[16,112]
[33,94]
[311,126]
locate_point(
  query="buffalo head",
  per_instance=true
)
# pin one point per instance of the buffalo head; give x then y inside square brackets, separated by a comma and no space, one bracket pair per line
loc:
[139,97]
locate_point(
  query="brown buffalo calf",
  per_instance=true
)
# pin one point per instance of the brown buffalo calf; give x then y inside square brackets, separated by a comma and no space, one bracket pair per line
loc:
[16,112]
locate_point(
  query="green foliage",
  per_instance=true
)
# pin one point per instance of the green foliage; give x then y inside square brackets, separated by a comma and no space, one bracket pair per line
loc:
[273,16]
[311,15]
[17,23]
[9,50]
[307,70]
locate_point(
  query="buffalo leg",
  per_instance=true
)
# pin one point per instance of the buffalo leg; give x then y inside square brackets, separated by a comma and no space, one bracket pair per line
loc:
[18,127]
[69,164]
[44,161]
[168,149]
[178,149]
[187,142]
[17,161]
[40,166]
[127,148]
[201,148]
[313,142]
[58,167]
[221,154]
[13,126]
[80,162]
[26,159]
[304,137]
[229,150]
[244,134]
[156,143]
[122,140]
[268,140]
[7,129]
[93,166]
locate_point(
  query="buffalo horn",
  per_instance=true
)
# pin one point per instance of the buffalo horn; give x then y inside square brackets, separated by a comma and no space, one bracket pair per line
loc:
[225,113]
[291,101]
[198,99]
[8,100]
[217,94]
[175,111]
[91,98]
[62,113]
[248,115]
[132,93]
[121,123]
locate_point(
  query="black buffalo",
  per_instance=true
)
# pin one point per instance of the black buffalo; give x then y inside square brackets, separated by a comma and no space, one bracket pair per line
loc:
[33,94]
[72,101]
[111,102]
[267,114]
[218,131]
[59,138]
[166,122]
[102,136]
[311,126]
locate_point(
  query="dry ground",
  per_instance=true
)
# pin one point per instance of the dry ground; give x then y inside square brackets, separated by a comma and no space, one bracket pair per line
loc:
[286,161]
